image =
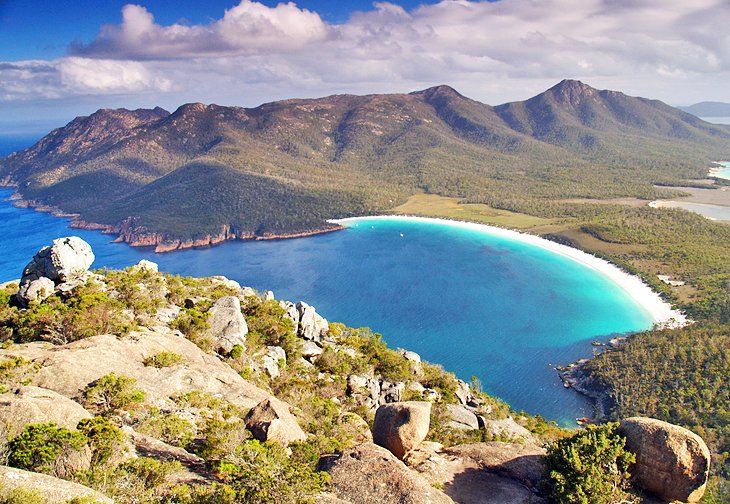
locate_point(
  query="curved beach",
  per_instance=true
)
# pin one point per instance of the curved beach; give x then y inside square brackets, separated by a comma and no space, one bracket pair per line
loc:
[651,302]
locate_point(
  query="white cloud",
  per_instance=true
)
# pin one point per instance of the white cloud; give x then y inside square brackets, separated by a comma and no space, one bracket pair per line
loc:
[494,51]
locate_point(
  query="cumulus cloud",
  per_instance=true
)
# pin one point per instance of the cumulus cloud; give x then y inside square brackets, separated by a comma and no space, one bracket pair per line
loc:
[668,49]
[248,28]
[74,76]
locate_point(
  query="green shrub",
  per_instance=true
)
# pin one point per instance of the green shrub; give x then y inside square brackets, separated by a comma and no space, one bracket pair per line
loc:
[269,326]
[105,439]
[591,467]
[39,446]
[23,495]
[262,472]
[163,359]
[168,427]
[112,393]
[142,480]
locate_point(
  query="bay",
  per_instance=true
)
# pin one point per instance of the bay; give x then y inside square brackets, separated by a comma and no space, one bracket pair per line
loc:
[481,305]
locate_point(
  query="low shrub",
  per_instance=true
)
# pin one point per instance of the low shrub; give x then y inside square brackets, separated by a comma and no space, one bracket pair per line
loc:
[591,467]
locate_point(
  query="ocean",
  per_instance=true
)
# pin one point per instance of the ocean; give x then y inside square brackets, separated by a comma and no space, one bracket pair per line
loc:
[501,310]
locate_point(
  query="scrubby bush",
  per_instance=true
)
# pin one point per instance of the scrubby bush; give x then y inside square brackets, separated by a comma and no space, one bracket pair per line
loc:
[87,312]
[269,326]
[112,393]
[262,472]
[168,427]
[104,438]
[163,359]
[591,467]
[39,447]
[142,479]
[23,495]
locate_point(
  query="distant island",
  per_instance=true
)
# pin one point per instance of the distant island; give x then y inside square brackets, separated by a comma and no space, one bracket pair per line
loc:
[708,109]
[205,173]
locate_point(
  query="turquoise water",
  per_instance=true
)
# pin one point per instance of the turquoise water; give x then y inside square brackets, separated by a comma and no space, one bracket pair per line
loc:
[481,305]
[724,171]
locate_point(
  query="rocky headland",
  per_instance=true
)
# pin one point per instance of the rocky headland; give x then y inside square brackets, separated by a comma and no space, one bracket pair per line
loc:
[142,386]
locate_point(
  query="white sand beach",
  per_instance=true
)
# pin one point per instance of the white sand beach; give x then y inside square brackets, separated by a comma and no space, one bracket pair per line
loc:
[659,310]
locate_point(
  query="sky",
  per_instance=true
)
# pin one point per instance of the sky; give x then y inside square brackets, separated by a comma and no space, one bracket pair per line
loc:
[63,59]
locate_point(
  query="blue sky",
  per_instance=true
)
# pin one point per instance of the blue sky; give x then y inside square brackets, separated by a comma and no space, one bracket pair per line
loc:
[59,59]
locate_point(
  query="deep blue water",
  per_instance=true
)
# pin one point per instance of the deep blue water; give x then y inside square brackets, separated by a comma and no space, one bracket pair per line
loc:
[481,305]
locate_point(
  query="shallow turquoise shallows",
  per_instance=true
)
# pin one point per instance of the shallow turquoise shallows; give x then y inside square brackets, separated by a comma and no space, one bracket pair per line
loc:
[499,309]
[495,308]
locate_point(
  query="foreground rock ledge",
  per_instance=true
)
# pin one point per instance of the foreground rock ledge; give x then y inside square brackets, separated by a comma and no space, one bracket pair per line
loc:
[368,473]
[671,462]
[54,490]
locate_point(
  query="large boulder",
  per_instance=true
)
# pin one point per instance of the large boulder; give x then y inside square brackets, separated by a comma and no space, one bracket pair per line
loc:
[53,490]
[28,405]
[368,473]
[671,462]
[227,326]
[65,260]
[34,290]
[271,420]
[461,418]
[311,324]
[401,427]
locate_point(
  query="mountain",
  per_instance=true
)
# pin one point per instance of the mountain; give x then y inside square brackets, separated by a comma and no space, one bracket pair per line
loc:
[206,173]
[708,109]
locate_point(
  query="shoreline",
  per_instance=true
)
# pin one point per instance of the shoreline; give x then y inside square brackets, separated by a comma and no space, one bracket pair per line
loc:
[137,237]
[660,311]
[715,172]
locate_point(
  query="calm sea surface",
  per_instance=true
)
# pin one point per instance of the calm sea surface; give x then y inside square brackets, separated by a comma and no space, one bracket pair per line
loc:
[481,305]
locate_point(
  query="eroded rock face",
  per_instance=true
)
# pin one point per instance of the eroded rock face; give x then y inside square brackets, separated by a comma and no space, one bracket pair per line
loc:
[401,427]
[53,490]
[271,420]
[28,405]
[227,325]
[369,473]
[671,462]
[312,326]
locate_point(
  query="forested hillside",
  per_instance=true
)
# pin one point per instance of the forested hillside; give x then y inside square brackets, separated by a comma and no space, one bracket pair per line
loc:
[285,167]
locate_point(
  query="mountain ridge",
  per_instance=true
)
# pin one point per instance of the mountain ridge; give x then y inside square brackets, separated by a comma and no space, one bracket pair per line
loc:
[346,155]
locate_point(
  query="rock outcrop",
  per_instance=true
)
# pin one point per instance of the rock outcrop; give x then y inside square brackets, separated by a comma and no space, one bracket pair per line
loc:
[369,473]
[66,260]
[227,325]
[401,427]
[271,420]
[484,473]
[671,462]
[53,490]
[67,369]
[312,326]
[29,405]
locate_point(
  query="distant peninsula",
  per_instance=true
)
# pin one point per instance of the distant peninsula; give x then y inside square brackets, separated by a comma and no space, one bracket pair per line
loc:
[206,173]
[708,109]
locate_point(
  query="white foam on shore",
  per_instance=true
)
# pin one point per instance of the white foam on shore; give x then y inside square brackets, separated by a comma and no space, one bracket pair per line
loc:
[659,310]
[720,172]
